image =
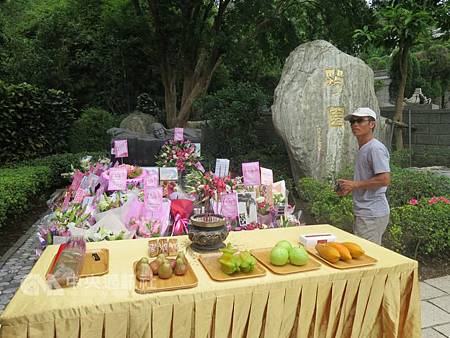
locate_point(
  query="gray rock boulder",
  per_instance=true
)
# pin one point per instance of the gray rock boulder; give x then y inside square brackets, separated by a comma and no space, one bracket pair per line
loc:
[139,123]
[319,85]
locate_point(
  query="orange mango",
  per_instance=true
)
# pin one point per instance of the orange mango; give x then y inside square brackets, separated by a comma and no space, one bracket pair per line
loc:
[355,250]
[328,253]
[343,251]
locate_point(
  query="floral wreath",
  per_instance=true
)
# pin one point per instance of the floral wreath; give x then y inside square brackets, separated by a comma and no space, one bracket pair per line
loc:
[180,154]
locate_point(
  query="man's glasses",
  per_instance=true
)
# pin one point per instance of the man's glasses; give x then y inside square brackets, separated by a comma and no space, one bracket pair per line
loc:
[358,121]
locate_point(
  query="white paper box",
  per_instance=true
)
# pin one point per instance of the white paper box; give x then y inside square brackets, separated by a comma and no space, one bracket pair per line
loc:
[313,239]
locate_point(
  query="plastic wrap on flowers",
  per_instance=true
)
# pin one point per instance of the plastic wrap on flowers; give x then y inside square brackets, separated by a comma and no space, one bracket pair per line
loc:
[146,223]
[120,212]
[181,210]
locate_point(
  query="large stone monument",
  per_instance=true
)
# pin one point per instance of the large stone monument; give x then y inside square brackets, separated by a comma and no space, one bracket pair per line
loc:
[138,122]
[319,85]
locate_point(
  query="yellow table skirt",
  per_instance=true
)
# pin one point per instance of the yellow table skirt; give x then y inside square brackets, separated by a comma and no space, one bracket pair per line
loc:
[377,301]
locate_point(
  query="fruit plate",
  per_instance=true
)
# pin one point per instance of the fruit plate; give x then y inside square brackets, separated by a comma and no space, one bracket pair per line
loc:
[363,260]
[263,255]
[188,280]
[211,264]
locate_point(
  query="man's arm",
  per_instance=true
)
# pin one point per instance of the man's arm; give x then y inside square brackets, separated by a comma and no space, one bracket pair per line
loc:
[378,181]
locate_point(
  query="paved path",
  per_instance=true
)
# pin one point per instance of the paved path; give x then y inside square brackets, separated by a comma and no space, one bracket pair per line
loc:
[435,293]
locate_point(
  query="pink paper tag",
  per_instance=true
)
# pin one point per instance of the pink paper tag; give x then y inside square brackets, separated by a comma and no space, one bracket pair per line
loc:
[152,179]
[77,177]
[266,176]
[121,148]
[66,200]
[79,196]
[229,205]
[117,179]
[200,167]
[250,171]
[153,198]
[178,134]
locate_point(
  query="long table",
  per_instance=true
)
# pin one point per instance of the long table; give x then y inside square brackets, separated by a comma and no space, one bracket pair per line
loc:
[375,301]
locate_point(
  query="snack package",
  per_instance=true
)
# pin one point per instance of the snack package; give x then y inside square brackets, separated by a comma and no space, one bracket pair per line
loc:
[67,264]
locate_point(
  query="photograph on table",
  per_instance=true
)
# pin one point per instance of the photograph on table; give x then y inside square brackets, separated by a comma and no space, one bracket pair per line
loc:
[168,174]
[247,207]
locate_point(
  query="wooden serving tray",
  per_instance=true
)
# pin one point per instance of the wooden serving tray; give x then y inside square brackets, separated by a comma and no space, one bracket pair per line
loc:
[95,263]
[212,266]
[263,255]
[363,260]
[188,280]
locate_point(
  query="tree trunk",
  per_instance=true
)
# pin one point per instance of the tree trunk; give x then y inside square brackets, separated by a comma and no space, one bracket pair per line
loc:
[169,81]
[398,115]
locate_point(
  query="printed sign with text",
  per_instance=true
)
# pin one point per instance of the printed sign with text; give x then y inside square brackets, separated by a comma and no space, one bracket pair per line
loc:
[250,171]
[266,176]
[121,148]
[178,134]
[117,179]
[153,197]
[222,167]
[152,179]
[229,205]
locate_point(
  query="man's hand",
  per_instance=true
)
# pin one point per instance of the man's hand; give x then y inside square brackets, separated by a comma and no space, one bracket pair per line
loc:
[379,180]
[346,187]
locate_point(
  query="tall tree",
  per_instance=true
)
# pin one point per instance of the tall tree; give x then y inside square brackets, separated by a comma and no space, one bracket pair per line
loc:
[191,37]
[402,25]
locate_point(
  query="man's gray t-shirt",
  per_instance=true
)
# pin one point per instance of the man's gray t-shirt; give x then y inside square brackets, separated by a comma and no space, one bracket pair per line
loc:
[372,159]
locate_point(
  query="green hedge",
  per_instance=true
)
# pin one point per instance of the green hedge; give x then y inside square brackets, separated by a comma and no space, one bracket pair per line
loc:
[62,163]
[422,229]
[19,186]
[325,205]
[409,183]
[22,183]
[34,122]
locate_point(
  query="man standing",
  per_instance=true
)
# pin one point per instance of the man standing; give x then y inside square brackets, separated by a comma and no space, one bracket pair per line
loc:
[372,176]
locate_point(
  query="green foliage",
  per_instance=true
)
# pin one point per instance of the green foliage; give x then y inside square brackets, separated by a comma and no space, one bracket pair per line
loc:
[400,158]
[431,156]
[18,188]
[99,51]
[379,62]
[413,71]
[34,122]
[22,183]
[326,206]
[88,133]
[408,183]
[62,163]
[233,114]
[421,229]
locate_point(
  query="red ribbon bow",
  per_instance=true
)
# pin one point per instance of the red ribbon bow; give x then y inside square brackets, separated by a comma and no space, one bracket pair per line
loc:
[180,226]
